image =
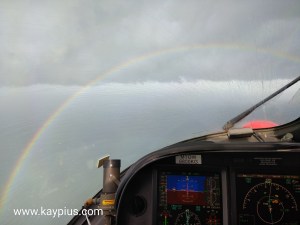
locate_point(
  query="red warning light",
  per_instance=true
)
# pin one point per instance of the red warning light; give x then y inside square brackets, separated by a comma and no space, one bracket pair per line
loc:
[256,124]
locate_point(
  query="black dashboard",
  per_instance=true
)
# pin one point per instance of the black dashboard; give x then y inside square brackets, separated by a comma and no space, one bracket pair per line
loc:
[215,188]
[227,178]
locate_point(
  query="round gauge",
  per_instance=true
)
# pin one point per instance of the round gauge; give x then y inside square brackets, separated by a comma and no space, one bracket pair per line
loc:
[187,218]
[270,202]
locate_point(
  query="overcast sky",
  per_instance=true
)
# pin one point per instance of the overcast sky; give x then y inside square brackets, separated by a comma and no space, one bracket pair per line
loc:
[74,42]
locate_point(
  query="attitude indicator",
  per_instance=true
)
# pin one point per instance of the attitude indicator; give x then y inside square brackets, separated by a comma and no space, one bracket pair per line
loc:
[189,198]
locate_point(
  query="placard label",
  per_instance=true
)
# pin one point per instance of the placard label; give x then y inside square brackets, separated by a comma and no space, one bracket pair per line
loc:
[188,159]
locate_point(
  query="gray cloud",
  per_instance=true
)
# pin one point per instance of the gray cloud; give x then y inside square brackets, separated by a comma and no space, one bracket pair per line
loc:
[58,42]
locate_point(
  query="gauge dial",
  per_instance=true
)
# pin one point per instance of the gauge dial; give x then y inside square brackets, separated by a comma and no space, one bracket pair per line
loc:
[187,218]
[189,198]
[270,201]
[270,209]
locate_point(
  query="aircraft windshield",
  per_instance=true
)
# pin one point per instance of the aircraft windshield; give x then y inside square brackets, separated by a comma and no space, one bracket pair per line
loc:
[281,106]
[80,80]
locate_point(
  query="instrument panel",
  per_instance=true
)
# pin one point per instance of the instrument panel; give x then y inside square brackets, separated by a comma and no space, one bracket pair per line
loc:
[229,188]
[195,198]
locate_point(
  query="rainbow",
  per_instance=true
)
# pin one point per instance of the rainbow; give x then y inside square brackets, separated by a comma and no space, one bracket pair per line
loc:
[26,151]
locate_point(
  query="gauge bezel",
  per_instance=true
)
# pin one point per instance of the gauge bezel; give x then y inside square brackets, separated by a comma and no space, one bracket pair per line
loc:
[205,170]
[271,171]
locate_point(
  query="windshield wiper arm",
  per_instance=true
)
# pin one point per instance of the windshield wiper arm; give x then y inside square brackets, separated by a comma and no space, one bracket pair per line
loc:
[229,124]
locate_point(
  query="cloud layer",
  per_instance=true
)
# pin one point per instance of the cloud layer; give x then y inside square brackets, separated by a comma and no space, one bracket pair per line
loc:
[73,42]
